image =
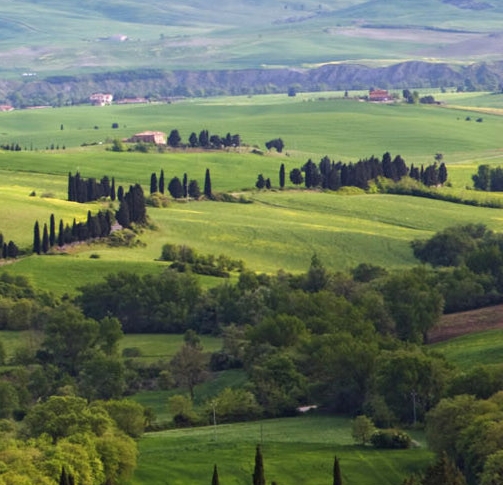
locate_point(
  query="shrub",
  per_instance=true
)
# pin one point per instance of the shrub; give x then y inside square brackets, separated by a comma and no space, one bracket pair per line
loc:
[131,352]
[391,439]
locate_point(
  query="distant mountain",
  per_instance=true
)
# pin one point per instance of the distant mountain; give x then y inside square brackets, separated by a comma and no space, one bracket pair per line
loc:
[283,39]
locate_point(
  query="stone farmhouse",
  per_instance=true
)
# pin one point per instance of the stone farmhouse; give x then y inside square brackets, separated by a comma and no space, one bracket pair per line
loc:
[101,99]
[156,137]
[379,96]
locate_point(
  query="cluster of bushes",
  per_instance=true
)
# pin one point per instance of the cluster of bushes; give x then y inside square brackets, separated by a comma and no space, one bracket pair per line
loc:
[185,258]
[391,439]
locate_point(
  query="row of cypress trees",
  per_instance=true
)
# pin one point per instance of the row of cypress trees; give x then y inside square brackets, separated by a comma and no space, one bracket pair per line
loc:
[332,175]
[258,477]
[99,225]
[87,190]
[178,188]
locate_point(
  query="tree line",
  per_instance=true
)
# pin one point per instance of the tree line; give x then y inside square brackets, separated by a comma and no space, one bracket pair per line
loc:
[204,140]
[331,175]
[179,189]
[87,190]
[488,178]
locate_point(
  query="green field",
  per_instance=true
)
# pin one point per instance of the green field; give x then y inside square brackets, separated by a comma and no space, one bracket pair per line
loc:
[295,450]
[238,34]
[477,348]
[279,229]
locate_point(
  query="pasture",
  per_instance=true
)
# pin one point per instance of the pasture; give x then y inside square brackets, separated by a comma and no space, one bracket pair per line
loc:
[280,229]
[470,350]
[295,450]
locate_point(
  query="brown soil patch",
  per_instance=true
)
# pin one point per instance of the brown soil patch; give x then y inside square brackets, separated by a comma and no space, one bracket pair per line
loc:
[463,323]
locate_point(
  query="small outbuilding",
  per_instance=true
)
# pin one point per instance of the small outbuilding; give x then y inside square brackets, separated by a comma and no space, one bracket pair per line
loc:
[156,137]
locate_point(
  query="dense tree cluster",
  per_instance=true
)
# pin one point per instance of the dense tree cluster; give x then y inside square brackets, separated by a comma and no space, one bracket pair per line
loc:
[488,178]
[469,265]
[87,190]
[8,249]
[132,207]
[177,188]
[14,147]
[98,225]
[330,175]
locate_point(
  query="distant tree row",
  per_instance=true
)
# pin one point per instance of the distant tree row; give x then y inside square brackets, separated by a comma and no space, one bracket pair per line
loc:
[99,225]
[204,140]
[14,147]
[181,188]
[87,190]
[9,249]
[334,175]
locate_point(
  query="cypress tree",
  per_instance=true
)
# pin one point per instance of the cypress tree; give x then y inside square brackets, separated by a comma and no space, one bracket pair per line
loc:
[214,480]
[12,250]
[207,185]
[4,250]
[120,193]
[112,190]
[153,183]
[36,238]
[184,185]
[161,182]
[122,215]
[282,176]
[52,231]
[194,190]
[45,239]
[1,240]
[337,472]
[258,472]
[61,234]
[63,478]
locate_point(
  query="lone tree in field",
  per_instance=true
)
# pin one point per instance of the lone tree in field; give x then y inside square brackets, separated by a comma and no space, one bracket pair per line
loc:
[194,190]
[207,185]
[258,472]
[337,472]
[282,176]
[214,480]
[362,429]
[174,138]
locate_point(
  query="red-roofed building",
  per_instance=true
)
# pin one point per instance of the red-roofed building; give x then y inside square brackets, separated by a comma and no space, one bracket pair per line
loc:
[379,95]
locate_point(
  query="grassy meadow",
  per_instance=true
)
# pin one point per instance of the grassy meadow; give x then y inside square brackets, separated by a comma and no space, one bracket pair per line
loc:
[295,450]
[473,349]
[280,229]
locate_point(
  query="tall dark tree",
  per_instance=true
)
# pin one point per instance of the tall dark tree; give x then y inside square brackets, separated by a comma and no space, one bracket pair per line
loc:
[204,139]
[185,185]
[153,183]
[337,472]
[258,472]
[61,234]
[193,141]
[207,185]
[174,138]
[120,193]
[12,250]
[194,190]
[36,238]
[442,174]
[282,176]
[45,239]
[161,182]
[4,250]
[52,231]
[175,188]
[260,183]
[1,241]
[215,480]
[122,215]
[63,478]
[112,190]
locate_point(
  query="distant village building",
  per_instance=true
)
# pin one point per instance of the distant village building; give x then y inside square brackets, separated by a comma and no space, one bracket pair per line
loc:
[156,137]
[101,99]
[379,95]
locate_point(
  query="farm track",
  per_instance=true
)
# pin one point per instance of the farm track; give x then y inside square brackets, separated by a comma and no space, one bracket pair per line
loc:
[463,323]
